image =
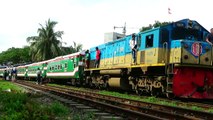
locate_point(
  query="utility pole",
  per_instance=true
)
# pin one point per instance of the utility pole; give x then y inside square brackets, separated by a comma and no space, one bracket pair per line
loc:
[124,28]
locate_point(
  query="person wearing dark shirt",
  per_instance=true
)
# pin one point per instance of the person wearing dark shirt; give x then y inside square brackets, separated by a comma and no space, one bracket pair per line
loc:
[98,56]
[5,75]
[38,72]
[209,37]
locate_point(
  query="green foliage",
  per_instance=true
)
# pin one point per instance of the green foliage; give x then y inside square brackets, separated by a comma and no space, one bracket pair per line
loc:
[47,44]
[210,110]
[83,116]
[196,108]
[5,85]
[15,55]
[72,49]
[58,109]
[16,105]
[20,106]
[76,47]
[155,25]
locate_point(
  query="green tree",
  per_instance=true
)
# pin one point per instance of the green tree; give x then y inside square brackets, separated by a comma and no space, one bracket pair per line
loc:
[76,47]
[47,44]
[72,49]
[25,54]
[15,55]
[155,25]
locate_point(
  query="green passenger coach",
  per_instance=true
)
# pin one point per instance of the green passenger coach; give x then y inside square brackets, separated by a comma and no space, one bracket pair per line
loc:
[32,68]
[68,67]
[22,72]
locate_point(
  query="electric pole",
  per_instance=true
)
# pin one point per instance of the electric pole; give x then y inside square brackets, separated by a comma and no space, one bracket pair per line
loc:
[124,28]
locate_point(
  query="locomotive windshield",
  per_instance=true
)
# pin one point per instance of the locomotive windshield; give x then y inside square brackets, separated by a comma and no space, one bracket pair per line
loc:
[186,33]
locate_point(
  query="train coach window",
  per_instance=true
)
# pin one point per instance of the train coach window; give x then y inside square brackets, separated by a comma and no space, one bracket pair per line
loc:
[59,67]
[65,66]
[149,41]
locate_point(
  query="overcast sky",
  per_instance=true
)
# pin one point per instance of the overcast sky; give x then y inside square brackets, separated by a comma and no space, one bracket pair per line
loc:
[86,21]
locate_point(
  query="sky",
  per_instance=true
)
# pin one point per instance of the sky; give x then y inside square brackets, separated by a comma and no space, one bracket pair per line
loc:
[86,21]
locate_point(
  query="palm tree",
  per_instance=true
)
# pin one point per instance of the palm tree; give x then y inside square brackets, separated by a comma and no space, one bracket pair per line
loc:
[72,49]
[47,44]
[76,47]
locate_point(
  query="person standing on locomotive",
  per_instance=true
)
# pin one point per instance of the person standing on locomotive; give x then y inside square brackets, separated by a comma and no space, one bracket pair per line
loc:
[98,57]
[209,37]
[87,58]
[133,46]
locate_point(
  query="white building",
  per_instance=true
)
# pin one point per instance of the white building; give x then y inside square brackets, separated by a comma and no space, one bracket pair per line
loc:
[111,36]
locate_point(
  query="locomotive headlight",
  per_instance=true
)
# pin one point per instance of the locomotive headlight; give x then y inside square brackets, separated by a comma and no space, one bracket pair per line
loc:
[186,57]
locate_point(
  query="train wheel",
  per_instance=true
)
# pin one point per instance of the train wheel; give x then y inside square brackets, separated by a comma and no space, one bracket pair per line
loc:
[91,84]
[156,92]
[138,91]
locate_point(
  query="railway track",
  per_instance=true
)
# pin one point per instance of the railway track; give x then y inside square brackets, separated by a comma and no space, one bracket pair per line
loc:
[130,109]
[179,103]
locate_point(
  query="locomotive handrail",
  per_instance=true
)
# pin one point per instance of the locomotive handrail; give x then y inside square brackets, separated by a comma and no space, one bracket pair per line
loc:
[211,55]
[165,50]
[165,46]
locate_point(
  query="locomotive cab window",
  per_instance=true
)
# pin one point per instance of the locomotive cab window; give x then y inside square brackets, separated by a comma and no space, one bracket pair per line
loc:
[139,40]
[184,33]
[164,35]
[149,41]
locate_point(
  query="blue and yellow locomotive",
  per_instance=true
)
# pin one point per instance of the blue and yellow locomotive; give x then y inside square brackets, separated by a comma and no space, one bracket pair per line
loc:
[173,60]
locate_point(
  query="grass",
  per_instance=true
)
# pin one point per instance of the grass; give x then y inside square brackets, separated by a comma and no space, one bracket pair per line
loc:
[19,105]
[67,87]
[83,116]
[210,110]
[151,100]
[5,85]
